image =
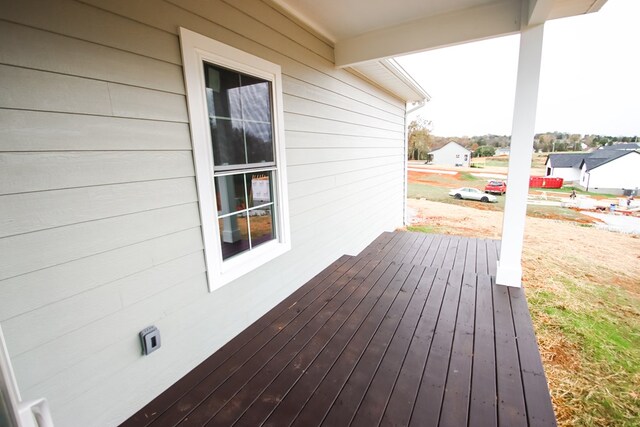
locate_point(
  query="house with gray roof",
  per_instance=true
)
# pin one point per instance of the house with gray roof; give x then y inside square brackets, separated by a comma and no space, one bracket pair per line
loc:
[607,170]
[565,165]
[611,171]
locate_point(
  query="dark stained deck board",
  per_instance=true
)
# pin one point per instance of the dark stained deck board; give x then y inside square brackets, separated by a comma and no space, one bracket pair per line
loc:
[300,370]
[429,398]
[461,254]
[335,363]
[482,266]
[455,404]
[372,406]
[307,343]
[482,408]
[419,254]
[511,404]
[431,252]
[438,257]
[411,331]
[452,250]
[348,400]
[322,401]
[398,254]
[401,402]
[417,244]
[539,407]
[470,259]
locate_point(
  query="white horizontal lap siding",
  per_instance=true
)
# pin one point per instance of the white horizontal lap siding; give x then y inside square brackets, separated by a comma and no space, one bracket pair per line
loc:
[623,172]
[99,224]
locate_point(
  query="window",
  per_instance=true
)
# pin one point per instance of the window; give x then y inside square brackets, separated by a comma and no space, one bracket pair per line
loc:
[235,114]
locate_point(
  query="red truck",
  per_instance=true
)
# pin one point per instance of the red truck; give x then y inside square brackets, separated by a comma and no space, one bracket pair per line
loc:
[497,187]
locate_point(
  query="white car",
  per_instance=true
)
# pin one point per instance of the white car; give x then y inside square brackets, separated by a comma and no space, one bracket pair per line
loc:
[472,194]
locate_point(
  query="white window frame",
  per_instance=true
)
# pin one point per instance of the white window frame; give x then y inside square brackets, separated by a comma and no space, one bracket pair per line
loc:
[197,49]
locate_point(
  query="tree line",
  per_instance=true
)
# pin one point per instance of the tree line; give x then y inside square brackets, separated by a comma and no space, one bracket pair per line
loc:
[421,141]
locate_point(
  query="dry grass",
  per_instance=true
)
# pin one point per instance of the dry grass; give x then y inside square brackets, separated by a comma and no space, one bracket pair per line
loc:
[583,288]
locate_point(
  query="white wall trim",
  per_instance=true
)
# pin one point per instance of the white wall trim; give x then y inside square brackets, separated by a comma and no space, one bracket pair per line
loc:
[196,49]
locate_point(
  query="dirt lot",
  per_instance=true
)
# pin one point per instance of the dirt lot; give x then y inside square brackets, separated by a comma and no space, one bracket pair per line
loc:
[583,288]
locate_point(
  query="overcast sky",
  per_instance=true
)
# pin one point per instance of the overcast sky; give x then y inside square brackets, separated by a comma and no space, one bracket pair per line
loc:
[589,83]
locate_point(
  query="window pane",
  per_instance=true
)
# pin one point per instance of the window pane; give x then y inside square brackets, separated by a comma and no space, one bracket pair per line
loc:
[230,194]
[228,142]
[256,99]
[261,224]
[259,142]
[223,92]
[259,188]
[234,235]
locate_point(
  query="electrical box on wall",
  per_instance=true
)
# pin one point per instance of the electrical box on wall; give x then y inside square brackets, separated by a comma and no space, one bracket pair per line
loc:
[150,339]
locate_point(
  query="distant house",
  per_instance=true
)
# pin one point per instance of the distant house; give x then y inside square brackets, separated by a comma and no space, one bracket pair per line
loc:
[565,165]
[610,171]
[607,170]
[502,151]
[452,154]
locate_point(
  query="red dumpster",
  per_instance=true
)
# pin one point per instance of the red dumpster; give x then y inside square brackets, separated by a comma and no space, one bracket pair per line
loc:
[545,182]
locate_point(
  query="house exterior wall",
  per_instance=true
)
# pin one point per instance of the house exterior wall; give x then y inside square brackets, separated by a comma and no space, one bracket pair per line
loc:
[100,230]
[568,174]
[614,176]
[452,154]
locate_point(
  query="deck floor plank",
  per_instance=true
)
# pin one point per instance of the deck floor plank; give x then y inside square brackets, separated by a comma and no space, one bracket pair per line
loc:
[348,400]
[431,253]
[372,407]
[482,265]
[470,259]
[511,405]
[431,392]
[419,254]
[482,409]
[452,250]
[299,352]
[411,331]
[302,369]
[455,404]
[401,402]
[335,362]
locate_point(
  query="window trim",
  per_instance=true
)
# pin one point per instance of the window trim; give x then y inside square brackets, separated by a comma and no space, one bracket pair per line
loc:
[197,49]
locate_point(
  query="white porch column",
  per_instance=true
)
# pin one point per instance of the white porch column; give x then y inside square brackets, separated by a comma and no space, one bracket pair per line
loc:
[524,118]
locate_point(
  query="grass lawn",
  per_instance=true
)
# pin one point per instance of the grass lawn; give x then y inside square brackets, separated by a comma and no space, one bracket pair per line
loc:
[596,329]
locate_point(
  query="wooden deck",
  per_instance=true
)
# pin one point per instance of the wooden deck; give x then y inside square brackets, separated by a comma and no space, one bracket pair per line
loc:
[412,331]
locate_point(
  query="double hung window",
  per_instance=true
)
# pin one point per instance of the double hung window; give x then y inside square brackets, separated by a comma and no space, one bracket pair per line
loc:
[235,112]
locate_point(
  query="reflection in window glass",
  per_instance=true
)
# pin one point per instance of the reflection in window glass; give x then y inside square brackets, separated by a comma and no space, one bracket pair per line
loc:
[261,220]
[230,194]
[259,142]
[240,117]
[223,92]
[234,235]
[228,142]
[256,99]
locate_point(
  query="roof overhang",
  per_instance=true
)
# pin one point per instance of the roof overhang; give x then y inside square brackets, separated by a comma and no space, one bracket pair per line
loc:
[367,34]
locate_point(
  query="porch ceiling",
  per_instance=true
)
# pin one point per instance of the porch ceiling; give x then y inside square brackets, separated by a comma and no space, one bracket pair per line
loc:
[369,30]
